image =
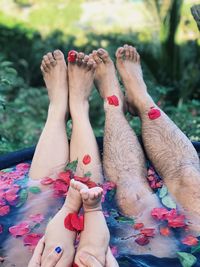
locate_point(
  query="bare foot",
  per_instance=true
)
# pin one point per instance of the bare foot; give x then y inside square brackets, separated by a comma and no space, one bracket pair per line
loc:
[54,70]
[129,67]
[56,233]
[105,76]
[95,236]
[81,77]
[91,197]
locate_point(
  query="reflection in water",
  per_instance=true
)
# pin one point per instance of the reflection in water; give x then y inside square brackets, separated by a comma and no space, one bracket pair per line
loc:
[26,206]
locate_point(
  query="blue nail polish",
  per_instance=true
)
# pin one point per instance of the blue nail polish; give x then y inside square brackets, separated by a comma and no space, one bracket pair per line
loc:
[58,249]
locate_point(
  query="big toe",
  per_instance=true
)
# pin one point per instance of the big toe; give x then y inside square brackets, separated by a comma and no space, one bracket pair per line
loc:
[120,53]
[58,55]
[103,54]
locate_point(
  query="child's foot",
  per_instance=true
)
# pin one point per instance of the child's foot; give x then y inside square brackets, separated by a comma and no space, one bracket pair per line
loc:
[81,77]
[105,76]
[129,67]
[54,70]
[56,233]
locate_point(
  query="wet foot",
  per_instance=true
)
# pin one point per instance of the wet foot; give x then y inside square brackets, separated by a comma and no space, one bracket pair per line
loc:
[54,70]
[81,77]
[105,76]
[129,68]
[57,235]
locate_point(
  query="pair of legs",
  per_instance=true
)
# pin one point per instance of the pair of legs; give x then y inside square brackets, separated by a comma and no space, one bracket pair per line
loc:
[53,142]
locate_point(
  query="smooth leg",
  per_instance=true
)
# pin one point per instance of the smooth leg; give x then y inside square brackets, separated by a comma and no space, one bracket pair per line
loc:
[167,147]
[83,141]
[52,151]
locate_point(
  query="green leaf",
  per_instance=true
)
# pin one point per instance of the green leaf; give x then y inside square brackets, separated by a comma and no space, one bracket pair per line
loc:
[168,202]
[125,220]
[88,174]
[72,165]
[110,195]
[186,259]
[34,190]
[196,248]
[23,195]
[163,191]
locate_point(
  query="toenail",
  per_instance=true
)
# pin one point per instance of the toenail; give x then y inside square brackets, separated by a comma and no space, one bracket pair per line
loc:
[72,56]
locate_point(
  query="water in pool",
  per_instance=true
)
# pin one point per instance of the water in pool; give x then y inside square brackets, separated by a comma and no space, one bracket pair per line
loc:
[26,206]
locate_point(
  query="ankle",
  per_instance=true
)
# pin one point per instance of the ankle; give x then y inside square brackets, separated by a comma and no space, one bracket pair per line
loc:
[57,111]
[79,107]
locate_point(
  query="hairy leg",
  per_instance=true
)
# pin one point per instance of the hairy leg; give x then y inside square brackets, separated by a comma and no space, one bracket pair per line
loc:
[83,141]
[123,158]
[52,150]
[167,147]
[95,236]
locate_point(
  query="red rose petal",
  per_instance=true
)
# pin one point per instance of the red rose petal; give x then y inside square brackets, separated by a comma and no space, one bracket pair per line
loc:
[190,240]
[148,232]
[159,213]
[32,239]
[20,229]
[75,265]
[142,240]
[113,100]
[38,218]
[165,231]
[47,181]
[77,222]
[4,210]
[81,179]
[72,56]
[138,226]
[91,184]
[154,113]
[177,222]
[86,159]
[65,177]
[67,222]
[60,188]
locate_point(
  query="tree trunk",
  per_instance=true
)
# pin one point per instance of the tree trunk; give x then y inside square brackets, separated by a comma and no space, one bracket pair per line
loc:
[196,14]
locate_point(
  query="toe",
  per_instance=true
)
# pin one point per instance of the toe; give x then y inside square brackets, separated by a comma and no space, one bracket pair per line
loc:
[85,60]
[51,59]
[120,53]
[47,61]
[45,67]
[84,194]
[137,57]
[80,57]
[132,51]
[91,64]
[96,58]
[58,55]
[103,54]
[127,51]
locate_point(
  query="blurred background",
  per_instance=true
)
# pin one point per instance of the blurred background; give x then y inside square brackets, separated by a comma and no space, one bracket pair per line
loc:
[163,31]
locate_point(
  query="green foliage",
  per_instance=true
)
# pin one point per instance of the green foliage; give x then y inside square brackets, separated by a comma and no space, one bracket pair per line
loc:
[171,70]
